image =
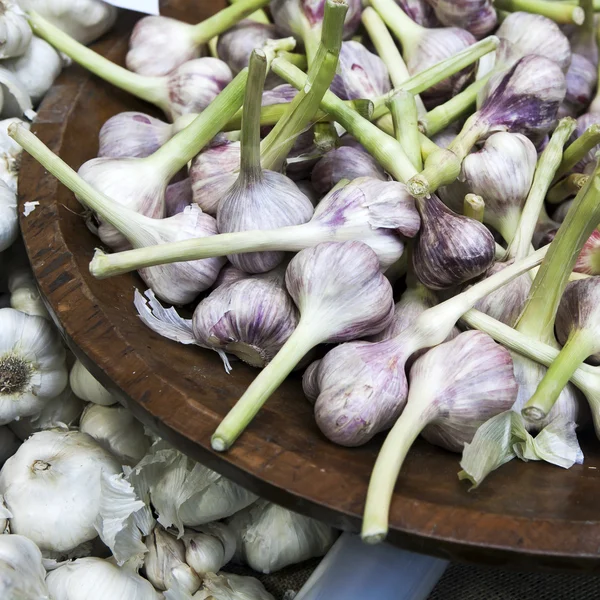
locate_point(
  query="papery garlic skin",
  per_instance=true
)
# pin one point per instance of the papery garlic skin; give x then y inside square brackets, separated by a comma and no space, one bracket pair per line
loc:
[210,547]
[582,78]
[15,33]
[310,381]
[37,68]
[344,162]
[227,586]
[164,564]
[173,37]
[32,364]
[10,155]
[61,412]
[98,579]
[52,487]
[178,196]
[87,387]
[251,318]
[535,34]
[588,261]
[9,220]
[24,293]
[9,443]
[22,575]
[476,16]
[420,11]
[361,74]
[271,537]
[117,431]
[84,20]
[5,514]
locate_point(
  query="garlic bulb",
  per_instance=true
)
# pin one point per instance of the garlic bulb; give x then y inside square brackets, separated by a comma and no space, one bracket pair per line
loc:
[361,74]
[588,261]
[271,537]
[24,293]
[476,16]
[85,20]
[98,579]
[10,154]
[61,412]
[15,33]
[184,492]
[178,196]
[32,364]
[210,547]
[344,162]
[582,78]
[310,381]
[22,575]
[37,68]
[420,11]
[9,443]
[117,431]
[9,220]
[52,487]
[227,586]
[164,564]
[87,387]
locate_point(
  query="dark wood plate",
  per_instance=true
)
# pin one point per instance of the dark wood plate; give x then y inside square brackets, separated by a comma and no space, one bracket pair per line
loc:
[526,515]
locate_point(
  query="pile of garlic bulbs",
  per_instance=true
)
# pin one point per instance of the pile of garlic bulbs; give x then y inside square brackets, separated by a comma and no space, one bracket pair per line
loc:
[92,505]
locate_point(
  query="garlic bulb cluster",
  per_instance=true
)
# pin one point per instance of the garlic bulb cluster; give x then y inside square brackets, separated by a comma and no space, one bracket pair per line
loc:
[117,431]
[15,33]
[52,488]
[271,537]
[98,579]
[22,574]
[32,364]
[87,387]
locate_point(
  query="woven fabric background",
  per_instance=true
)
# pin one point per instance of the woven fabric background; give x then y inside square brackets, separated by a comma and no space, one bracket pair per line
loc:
[462,582]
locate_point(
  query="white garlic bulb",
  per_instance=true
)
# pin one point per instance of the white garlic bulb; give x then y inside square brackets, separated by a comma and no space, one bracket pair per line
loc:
[165,565]
[22,575]
[32,364]
[5,515]
[37,68]
[59,413]
[210,547]
[15,101]
[24,293]
[9,443]
[117,431]
[10,154]
[88,388]
[98,579]
[271,537]
[85,20]
[15,33]
[226,586]
[52,487]
[9,220]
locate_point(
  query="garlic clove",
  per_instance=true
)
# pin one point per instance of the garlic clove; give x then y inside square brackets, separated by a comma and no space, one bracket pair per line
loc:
[450,249]
[582,78]
[209,548]
[87,387]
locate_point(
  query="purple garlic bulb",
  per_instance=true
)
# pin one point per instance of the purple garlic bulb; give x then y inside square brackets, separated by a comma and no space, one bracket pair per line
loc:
[251,317]
[361,74]
[536,34]
[451,249]
[420,11]
[476,16]
[345,162]
[178,196]
[582,78]
[310,384]
[525,99]
[229,274]
[158,45]
[282,94]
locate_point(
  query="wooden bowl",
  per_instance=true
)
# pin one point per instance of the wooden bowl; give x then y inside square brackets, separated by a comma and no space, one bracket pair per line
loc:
[525,515]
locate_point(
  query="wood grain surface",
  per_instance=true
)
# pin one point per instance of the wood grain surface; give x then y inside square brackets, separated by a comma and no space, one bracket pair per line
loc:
[524,516]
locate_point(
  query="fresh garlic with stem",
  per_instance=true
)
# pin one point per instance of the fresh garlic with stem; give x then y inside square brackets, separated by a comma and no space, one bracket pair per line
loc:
[9,443]
[368,210]
[179,284]
[159,45]
[22,574]
[188,89]
[117,431]
[9,220]
[37,68]
[88,388]
[184,492]
[32,364]
[52,487]
[210,547]
[24,293]
[341,295]
[164,564]
[98,579]
[271,537]
[454,388]
[15,32]
[362,385]
[61,412]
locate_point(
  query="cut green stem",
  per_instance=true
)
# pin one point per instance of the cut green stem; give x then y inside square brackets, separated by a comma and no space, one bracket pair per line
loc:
[560,12]
[407,32]
[406,125]
[547,166]
[578,150]
[277,145]
[566,188]
[474,207]
[269,379]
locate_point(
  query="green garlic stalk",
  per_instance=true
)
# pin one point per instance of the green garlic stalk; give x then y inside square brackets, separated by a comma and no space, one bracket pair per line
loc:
[578,150]
[403,108]
[563,13]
